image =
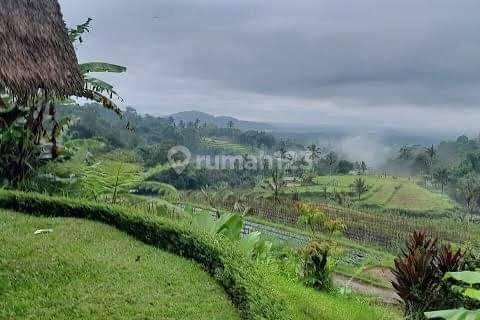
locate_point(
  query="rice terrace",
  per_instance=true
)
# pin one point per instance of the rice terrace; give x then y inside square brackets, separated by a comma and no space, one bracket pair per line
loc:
[239,160]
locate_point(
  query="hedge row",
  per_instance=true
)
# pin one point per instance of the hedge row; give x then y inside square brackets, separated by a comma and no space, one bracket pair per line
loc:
[240,278]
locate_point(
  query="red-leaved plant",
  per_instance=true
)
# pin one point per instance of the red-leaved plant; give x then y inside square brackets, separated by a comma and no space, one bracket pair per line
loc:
[419,270]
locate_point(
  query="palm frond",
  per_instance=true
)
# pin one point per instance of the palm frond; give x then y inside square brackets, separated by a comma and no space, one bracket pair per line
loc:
[101,67]
[98,97]
[61,126]
[76,33]
[101,86]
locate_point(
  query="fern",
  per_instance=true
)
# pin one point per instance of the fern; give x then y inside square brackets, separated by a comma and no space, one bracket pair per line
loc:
[110,179]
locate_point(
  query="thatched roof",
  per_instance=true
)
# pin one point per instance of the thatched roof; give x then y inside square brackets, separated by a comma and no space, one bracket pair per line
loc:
[35,52]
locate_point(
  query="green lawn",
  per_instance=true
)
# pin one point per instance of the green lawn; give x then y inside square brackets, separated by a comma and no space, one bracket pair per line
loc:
[384,193]
[87,270]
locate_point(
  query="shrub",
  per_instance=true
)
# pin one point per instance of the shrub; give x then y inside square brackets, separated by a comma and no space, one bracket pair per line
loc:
[315,270]
[19,156]
[316,219]
[418,274]
[449,260]
[416,280]
[242,280]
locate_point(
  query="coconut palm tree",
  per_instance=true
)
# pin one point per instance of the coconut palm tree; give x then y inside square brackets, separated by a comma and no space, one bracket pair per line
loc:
[273,187]
[331,159]
[360,187]
[363,167]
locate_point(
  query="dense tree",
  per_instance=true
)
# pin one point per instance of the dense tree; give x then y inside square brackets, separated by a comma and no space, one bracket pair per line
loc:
[405,152]
[344,166]
[471,163]
[422,163]
[154,154]
[442,176]
[283,151]
[256,138]
[463,139]
[469,187]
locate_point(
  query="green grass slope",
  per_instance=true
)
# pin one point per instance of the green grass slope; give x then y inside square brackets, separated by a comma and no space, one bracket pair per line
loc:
[87,270]
[259,291]
[308,304]
[383,193]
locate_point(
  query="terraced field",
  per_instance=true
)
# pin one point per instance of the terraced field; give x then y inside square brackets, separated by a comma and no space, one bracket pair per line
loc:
[226,147]
[383,193]
[87,270]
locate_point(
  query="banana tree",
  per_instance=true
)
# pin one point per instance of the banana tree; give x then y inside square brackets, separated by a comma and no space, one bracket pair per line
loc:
[230,225]
[96,89]
[469,279]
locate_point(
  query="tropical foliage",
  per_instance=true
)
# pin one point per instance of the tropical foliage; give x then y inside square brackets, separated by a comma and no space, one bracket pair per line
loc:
[469,281]
[36,124]
[315,269]
[418,274]
[230,226]
[110,179]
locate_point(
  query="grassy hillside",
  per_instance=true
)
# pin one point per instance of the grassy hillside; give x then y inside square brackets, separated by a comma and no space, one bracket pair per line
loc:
[87,270]
[385,193]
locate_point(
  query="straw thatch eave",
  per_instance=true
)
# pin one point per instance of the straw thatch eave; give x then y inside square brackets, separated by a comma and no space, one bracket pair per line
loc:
[35,52]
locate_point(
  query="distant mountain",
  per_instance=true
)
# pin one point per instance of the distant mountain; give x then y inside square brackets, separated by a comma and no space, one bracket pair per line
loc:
[220,121]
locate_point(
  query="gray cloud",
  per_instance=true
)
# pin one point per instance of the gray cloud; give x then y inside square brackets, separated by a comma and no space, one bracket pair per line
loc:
[250,57]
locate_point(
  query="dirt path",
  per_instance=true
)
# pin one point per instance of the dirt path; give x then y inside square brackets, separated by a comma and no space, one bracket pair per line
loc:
[385,295]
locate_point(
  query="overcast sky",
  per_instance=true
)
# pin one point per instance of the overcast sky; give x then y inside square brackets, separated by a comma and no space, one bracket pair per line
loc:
[402,63]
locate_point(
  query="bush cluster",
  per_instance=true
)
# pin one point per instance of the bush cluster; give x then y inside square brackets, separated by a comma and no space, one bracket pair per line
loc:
[419,271]
[242,280]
